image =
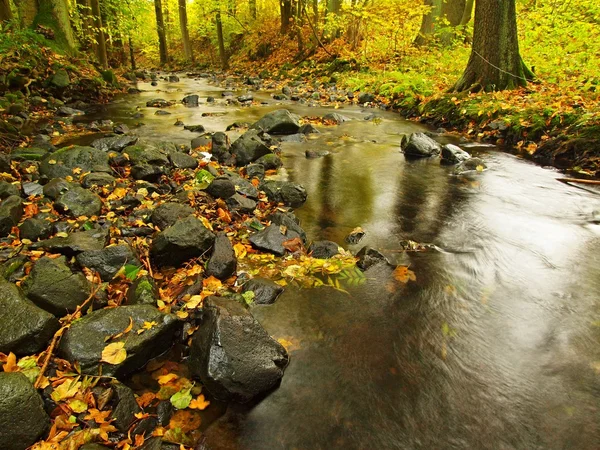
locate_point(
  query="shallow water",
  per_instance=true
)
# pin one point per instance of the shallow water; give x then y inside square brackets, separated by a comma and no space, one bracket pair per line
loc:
[496,345]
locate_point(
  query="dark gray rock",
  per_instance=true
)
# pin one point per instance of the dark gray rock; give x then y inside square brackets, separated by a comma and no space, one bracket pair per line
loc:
[98,179]
[270,161]
[249,147]
[84,340]
[470,165]
[286,192]
[241,204]
[420,145]
[32,188]
[290,222]
[108,261]
[147,172]
[242,185]
[22,416]
[78,202]
[280,121]
[114,143]
[142,291]
[74,243]
[265,291]
[271,239]
[173,79]
[122,129]
[168,214]
[126,407]
[7,189]
[181,160]
[365,97]
[11,212]
[222,263]
[43,141]
[201,141]
[190,100]
[24,327]
[56,187]
[220,148]
[164,412]
[368,256]
[221,187]
[245,98]
[308,128]
[185,240]
[233,355]
[34,229]
[255,171]
[60,79]
[65,111]
[143,153]
[52,285]
[195,128]
[453,154]
[158,103]
[61,163]
[324,249]
[335,118]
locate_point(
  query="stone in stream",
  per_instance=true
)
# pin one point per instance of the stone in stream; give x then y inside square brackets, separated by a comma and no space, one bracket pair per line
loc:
[74,243]
[61,163]
[233,355]
[146,153]
[242,185]
[22,416]
[98,179]
[52,285]
[126,407]
[7,189]
[220,148]
[249,147]
[169,213]
[222,263]
[265,291]
[313,154]
[195,128]
[173,79]
[308,128]
[368,256]
[270,161]
[185,240]
[241,204]
[190,100]
[29,154]
[108,261]
[78,202]
[324,249]
[255,171]
[11,212]
[65,111]
[365,97]
[335,118]
[453,154]
[158,103]
[470,165]
[201,141]
[221,187]
[34,229]
[56,187]
[24,327]
[286,192]
[181,160]
[289,221]
[85,339]
[419,145]
[147,172]
[114,143]
[142,292]
[280,121]
[271,239]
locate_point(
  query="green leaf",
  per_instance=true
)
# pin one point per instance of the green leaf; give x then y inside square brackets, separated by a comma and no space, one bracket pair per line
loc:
[182,399]
[27,362]
[131,271]
[248,297]
[87,226]
[204,176]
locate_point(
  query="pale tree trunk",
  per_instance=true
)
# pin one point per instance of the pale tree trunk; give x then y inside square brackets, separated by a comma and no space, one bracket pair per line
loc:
[467,13]
[185,35]
[495,62]
[5,11]
[160,29]
[54,14]
[99,34]
[222,53]
[428,21]
[452,11]
[27,11]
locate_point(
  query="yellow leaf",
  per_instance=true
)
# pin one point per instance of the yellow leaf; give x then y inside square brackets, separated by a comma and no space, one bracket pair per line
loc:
[165,379]
[117,194]
[479,168]
[78,406]
[52,162]
[114,353]
[240,250]
[66,390]
[212,284]
[149,325]
[199,403]
[194,301]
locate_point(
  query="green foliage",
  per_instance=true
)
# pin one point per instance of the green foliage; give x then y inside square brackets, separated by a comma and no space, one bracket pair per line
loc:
[181,399]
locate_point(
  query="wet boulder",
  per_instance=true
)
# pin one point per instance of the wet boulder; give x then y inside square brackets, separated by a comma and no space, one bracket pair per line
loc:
[185,240]
[190,100]
[32,188]
[98,179]
[35,229]
[144,153]
[147,172]
[7,189]
[280,121]
[368,256]
[289,221]
[324,249]
[142,292]
[265,291]
[221,187]
[11,212]
[74,243]
[56,187]
[308,128]
[241,204]
[335,118]
[24,327]
[169,213]
[108,261]
[114,143]
[470,165]
[85,339]
[255,171]
[271,239]
[195,128]
[22,416]
[222,263]
[249,147]
[53,286]
[125,408]
[242,185]
[270,161]
[453,154]
[60,79]
[61,163]
[220,148]
[65,111]
[182,160]
[419,145]
[233,355]
[173,79]
[79,202]
[286,192]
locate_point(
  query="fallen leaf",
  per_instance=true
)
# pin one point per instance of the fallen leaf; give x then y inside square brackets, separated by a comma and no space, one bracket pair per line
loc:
[199,403]
[114,353]
[403,274]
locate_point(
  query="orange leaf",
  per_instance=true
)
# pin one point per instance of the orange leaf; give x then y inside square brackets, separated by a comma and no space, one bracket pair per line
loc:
[293,245]
[165,379]
[199,403]
[11,363]
[403,274]
[185,420]
[145,399]
[224,215]
[212,284]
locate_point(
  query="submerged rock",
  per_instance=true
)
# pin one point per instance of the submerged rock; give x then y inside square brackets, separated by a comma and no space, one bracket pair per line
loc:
[190,100]
[453,154]
[22,415]
[335,118]
[470,165]
[249,147]
[368,256]
[286,192]
[265,291]
[233,355]
[420,145]
[241,204]
[324,249]
[280,121]
[84,340]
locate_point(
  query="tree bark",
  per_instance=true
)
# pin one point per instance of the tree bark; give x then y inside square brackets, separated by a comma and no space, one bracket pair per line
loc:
[428,22]
[5,11]
[185,35]
[285,7]
[99,34]
[222,53]
[131,54]
[54,14]
[85,13]
[467,13]
[160,29]
[27,11]
[495,62]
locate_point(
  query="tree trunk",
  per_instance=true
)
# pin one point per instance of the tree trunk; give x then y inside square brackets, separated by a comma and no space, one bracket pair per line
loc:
[54,14]
[131,54]
[428,21]
[285,7]
[85,14]
[27,11]
[252,6]
[5,11]
[222,54]
[185,35]
[99,34]
[495,62]
[467,13]
[452,12]
[315,8]
[160,29]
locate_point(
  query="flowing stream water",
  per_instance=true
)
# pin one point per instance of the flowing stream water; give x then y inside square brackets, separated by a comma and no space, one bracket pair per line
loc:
[495,345]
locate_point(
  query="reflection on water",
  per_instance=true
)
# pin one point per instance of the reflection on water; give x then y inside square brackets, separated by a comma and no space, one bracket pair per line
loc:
[496,345]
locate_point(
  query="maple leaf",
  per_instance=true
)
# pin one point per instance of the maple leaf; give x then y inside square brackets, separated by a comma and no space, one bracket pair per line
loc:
[185,421]
[67,389]
[98,416]
[199,403]
[114,353]
[212,284]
